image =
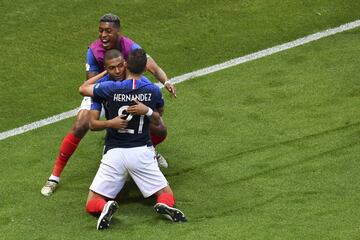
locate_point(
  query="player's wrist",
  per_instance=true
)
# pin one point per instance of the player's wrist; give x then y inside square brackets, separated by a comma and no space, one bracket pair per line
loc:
[166,82]
[149,112]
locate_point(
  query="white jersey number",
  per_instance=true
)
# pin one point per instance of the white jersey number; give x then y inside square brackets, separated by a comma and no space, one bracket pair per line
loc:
[123,113]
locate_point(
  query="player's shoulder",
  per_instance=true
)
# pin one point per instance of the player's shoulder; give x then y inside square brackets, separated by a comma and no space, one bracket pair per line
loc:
[126,38]
[104,79]
[145,80]
[104,83]
[96,42]
[147,83]
[133,45]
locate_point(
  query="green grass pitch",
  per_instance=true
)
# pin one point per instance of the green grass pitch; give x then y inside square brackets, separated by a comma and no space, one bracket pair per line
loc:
[265,150]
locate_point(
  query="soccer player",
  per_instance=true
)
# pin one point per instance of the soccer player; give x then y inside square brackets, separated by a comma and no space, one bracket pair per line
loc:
[110,37]
[131,106]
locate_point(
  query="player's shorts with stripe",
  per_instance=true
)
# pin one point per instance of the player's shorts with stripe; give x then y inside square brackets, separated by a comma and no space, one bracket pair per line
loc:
[138,162]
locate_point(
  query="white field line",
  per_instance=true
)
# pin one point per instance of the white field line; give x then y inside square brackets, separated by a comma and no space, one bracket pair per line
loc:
[200,72]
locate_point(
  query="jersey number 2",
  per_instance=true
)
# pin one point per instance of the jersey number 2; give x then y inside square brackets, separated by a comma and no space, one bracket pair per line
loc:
[123,113]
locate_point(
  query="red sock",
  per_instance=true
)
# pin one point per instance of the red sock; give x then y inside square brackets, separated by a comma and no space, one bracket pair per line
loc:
[156,139]
[95,205]
[67,148]
[166,198]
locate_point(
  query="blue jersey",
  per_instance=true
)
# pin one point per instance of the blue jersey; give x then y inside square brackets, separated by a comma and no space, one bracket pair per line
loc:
[120,95]
[97,103]
[91,63]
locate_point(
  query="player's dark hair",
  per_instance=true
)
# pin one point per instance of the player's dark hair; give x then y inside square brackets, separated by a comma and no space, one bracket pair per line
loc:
[111,54]
[136,62]
[109,17]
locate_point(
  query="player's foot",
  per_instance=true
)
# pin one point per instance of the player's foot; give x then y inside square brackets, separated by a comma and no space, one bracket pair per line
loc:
[104,220]
[170,213]
[161,160]
[49,188]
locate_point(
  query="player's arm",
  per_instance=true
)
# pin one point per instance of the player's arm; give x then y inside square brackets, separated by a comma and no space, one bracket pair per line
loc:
[160,75]
[91,74]
[92,68]
[141,109]
[160,104]
[87,88]
[97,125]
[160,110]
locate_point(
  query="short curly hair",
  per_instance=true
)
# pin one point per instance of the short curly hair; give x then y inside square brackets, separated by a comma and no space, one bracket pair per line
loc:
[109,17]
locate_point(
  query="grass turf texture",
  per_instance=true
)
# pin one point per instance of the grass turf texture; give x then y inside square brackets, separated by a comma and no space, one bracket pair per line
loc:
[42,61]
[265,150]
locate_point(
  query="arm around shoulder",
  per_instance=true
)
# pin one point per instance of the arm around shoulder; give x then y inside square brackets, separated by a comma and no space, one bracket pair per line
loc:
[87,88]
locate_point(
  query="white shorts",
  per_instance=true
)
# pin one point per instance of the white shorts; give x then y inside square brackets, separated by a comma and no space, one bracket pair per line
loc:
[139,162]
[86,105]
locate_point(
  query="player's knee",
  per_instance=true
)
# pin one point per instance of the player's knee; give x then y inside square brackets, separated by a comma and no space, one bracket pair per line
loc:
[156,140]
[91,206]
[158,130]
[90,210]
[81,126]
[80,129]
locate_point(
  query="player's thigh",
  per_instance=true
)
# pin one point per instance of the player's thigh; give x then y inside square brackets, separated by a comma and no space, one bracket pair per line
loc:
[85,104]
[144,170]
[111,175]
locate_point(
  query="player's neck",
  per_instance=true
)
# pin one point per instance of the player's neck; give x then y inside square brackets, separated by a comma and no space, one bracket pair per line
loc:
[130,75]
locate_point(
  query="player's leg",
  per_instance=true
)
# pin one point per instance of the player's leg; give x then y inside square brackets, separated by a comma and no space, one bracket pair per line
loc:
[165,205]
[68,146]
[101,206]
[158,134]
[109,180]
[71,141]
[95,203]
[145,172]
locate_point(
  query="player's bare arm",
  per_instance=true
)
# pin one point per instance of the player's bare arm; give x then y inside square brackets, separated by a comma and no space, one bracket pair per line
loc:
[97,125]
[160,75]
[141,109]
[86,89]
[91,74]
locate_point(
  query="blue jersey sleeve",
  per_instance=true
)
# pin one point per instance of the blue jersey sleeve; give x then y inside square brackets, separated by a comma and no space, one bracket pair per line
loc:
[96,104]
[104,79]
[103,90]
[159,100]
[91,63]
[135,46]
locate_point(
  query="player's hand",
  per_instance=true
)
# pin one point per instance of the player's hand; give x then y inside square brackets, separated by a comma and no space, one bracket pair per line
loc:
[138,109]
[170,87]
[117,123]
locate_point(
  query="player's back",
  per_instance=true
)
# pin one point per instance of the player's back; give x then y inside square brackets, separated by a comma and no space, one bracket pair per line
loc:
[119,96]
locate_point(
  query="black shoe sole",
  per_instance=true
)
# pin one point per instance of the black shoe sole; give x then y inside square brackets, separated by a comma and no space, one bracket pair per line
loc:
[105,221]
[173,214]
